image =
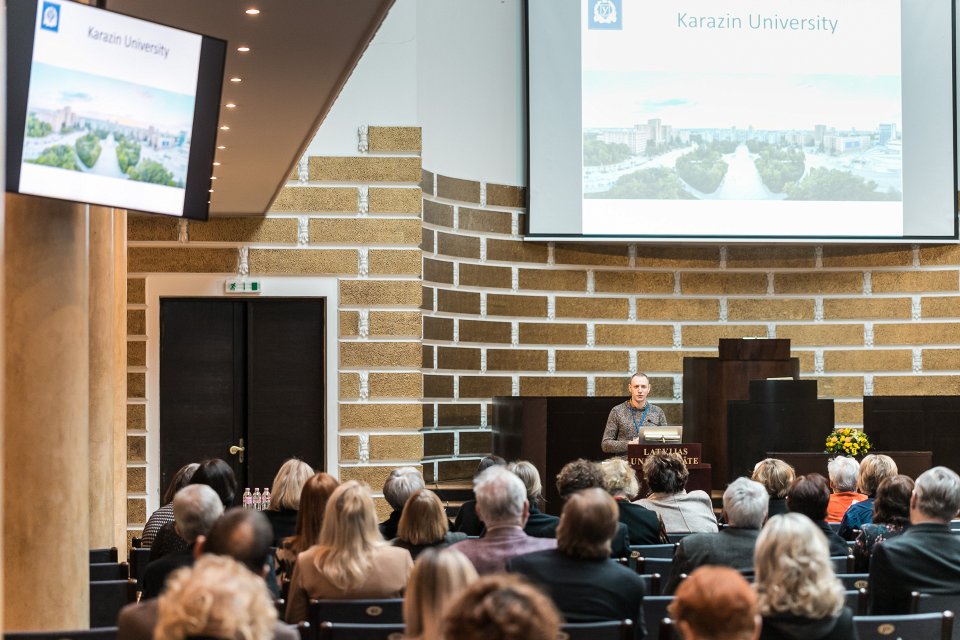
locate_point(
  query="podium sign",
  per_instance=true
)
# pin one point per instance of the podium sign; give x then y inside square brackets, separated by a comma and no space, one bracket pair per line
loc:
[690,451]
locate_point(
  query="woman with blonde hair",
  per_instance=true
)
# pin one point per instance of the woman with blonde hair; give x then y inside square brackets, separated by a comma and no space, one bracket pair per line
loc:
[424,524]
[285,498]
[313,502]
[438,577]
[775,475]
[539,524]
[643,525]
[217,598]
[351,561]
[798,593]
[874,469]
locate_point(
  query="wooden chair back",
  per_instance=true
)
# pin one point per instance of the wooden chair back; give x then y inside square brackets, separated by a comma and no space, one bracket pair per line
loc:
[109,571]
[104,555]
[854,580]
[101,633]
[348,631]
[380,611]
[606,630]
[917,626]
[107,597]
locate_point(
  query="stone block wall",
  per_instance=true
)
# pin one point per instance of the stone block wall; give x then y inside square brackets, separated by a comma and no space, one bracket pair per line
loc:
[508,317]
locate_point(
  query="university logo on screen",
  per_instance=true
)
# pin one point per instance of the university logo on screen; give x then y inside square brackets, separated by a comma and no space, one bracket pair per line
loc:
[605,14]
[51,17]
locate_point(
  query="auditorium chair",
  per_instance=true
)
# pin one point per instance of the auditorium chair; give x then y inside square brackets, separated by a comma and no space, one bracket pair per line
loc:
[856,599]
[139,558]
[653,550]
[101,633]
[384,611]
[842,564]
[854,580]
[109,571]
[104,555]
[348,631]
[917,626]
[936,603]
[606,630]
[651,582]
[676,537]
[655,610]
[305,631]
[107,597]
[663,566]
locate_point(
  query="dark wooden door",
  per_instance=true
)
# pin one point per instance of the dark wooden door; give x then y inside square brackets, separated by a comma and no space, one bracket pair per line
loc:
[233,370]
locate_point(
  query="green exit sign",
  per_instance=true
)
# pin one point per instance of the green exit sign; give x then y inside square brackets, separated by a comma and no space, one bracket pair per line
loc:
[242,286]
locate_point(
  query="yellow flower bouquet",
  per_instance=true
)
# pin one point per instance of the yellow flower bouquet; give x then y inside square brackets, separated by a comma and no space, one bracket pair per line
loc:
[848,441]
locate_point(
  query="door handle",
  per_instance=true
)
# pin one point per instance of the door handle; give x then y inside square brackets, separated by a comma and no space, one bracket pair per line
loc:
[234,450]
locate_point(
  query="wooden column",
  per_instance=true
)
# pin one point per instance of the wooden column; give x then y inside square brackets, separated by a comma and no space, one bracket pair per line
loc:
[120,385]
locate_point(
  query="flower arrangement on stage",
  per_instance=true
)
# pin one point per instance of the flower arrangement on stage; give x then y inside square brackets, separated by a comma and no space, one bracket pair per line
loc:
[848,441]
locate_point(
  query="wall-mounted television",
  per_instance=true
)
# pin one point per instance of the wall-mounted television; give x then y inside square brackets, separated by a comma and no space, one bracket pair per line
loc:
[107,109]
[742,120]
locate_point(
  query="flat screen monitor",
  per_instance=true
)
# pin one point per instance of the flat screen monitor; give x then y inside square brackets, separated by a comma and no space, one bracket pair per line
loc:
[107,109]
[742,120]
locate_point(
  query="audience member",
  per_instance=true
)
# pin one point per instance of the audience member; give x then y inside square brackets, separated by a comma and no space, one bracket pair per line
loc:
[424,524]
[715,603]
[313,501]
[217,598]
[775,475]
[195,508]
[798,593]
[874,469]
[502,506]
[745,508]
[810,495]
[467,521]
[539,524]
[643,525]
[285,498]
[351,560]
[500,607]
[583,474]
[218,475]
[891,517]
[579,576]
[843,472]
[164,514]
[925,557]
[682,512]
[439,575]
[399,485]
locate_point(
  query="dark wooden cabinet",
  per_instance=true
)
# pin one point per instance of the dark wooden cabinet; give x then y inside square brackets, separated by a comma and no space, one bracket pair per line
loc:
[911,423]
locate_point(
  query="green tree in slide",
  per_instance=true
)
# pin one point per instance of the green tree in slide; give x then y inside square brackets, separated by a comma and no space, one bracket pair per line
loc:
[660,183]
[128,153]
[153,172]
[37,128]
[703,168]
[597,153]
[88,149]
[61,156]
[777,165]
[833,184]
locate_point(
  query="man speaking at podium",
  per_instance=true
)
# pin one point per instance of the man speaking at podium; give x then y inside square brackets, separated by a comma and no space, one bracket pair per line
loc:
[628,418]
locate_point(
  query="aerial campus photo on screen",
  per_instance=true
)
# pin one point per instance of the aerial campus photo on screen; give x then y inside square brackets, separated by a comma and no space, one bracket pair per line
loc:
[82,122]
[741,137]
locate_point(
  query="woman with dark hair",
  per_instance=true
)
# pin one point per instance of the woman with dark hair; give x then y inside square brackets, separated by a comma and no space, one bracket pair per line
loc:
[810,495]
[891,516]
[313,502]
[682,512]
[164,514]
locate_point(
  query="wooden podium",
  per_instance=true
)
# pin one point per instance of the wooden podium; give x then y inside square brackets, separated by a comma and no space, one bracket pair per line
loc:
[691,452]
[710,383]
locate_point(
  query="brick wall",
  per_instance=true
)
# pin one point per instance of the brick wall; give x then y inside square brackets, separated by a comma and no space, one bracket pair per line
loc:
[352,219]
[507,317]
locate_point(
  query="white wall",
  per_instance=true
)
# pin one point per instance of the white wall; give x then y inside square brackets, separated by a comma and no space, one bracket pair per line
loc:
[454,67]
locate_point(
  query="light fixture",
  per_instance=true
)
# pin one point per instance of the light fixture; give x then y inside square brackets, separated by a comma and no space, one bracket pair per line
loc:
[216,164]
[252,12]
[213,177]
[243,49]
[221,147]
[230,105]
[211,190]
[224,128]
[236,79]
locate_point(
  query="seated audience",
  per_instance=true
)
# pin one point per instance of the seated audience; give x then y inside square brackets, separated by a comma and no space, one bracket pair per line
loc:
[810,495]
[500,607]
[925,557]
[424,524]
[313,502]
[843,472]
[195,508]
[891,517]
[775,475]
[579,576]
[241,534]
[439,575]
[682,512]
[164,514]
[467,521]
[285,498]
[715,603]
[745,508]
[218,475]
[539,524]
[620,481]
[351,561]
[874,469]
[399,485]
[217,598]
[502,506]
[583,474]
[797,591]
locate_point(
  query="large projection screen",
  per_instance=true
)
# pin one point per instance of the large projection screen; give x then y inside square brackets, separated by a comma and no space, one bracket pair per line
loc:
[742,120]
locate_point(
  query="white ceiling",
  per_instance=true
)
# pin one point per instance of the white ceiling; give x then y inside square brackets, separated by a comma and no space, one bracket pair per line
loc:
[301,54]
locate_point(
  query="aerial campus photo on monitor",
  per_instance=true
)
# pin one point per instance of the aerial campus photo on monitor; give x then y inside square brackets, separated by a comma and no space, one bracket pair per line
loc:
[96,125]
[741,136]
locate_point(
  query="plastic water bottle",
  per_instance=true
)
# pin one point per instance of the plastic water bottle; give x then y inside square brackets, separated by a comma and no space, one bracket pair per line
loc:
[265,500]
[257,499]
[247,499]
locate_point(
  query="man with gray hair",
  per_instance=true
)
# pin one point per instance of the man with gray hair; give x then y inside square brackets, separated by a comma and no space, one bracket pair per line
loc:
[399,485]
[195,508]
[843,472]
[502,506]
[925,557]
[745,505]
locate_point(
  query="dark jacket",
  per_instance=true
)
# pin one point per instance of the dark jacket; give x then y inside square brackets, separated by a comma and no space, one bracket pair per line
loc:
[791,627]
[155,576]
[643,525]
[924,558]
[467,521]
[388,528]
[838,546]
[731,547]
[620,546]
[541,525]
[776,506]
[284,523]
[416,549]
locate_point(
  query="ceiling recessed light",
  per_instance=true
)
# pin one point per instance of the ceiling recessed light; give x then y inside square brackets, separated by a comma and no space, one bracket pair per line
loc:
[216,164]
[243,49]
[230,105]
[235,79]
[225,128]
[252,12]
[221,147]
